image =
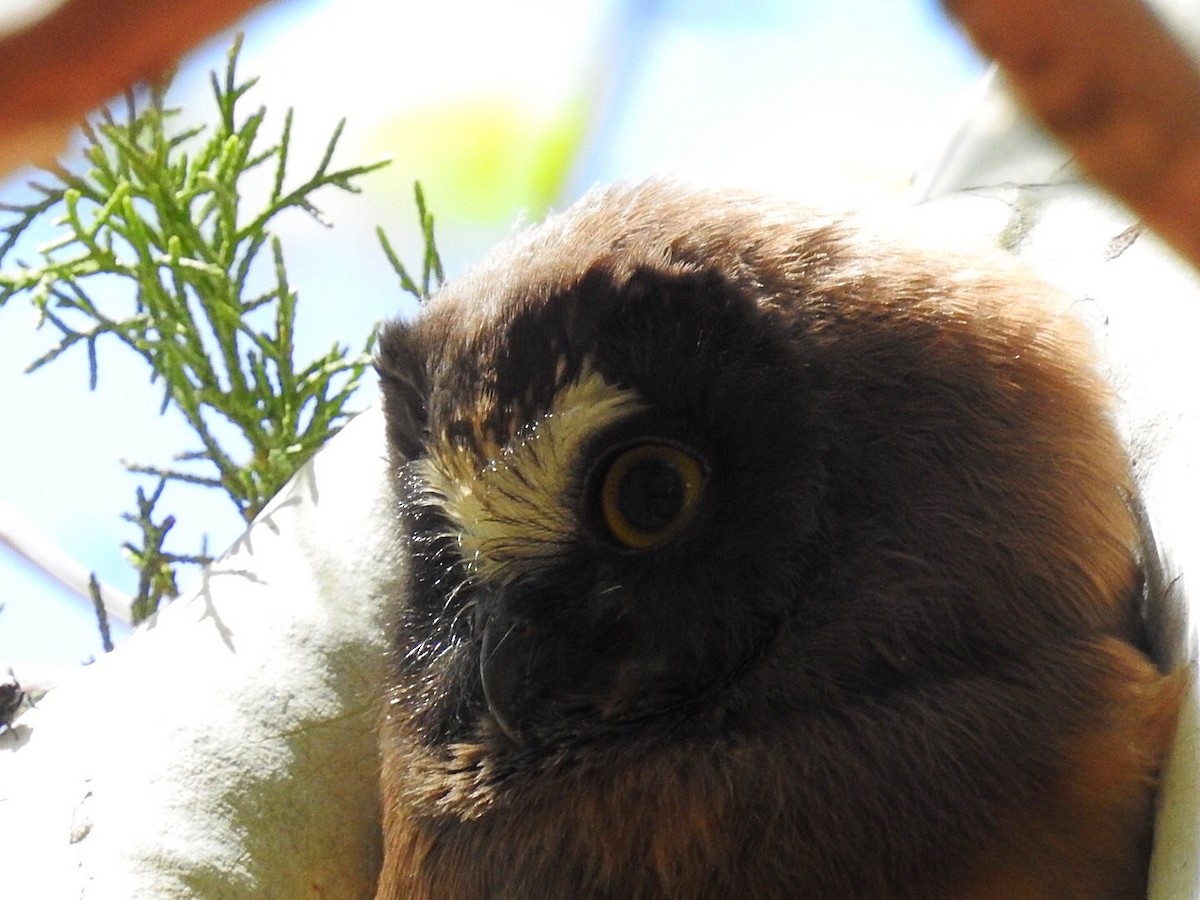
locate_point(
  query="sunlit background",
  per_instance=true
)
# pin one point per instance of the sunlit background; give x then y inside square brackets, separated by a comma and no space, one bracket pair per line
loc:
[503,109]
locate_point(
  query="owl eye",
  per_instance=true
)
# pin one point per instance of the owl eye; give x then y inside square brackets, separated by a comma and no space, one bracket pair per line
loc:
[648,493]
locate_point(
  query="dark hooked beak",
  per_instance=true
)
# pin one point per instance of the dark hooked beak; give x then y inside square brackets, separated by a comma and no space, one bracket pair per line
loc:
[506,662]
[538,668]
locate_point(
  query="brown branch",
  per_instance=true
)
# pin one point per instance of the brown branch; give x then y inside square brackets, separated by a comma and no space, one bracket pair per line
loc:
[88,51]
[1116,88]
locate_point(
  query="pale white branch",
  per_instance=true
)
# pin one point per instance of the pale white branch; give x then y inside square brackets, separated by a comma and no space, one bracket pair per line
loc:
[25,540]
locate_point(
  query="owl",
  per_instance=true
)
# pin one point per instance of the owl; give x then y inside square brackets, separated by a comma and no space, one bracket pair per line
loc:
[750,552]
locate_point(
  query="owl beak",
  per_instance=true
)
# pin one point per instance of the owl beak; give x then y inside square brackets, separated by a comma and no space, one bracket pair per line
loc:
[506,659]
[541,672]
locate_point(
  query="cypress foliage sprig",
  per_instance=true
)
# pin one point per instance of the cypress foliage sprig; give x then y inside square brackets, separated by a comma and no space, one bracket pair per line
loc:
[162,210]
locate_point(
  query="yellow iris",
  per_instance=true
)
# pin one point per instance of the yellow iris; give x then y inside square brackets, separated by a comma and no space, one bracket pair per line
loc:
[649,493]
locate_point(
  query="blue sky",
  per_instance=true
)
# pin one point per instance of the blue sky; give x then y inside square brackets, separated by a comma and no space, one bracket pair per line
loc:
[838,100]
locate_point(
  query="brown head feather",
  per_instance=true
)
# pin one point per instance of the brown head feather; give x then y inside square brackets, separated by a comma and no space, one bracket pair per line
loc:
[893,656]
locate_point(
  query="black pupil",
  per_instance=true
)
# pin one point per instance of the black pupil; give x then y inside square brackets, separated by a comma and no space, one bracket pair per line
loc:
[650,495]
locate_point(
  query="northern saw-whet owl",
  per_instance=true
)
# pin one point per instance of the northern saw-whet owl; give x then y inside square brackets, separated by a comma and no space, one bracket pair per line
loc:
[750,553]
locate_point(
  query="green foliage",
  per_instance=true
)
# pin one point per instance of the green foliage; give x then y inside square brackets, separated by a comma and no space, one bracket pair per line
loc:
[162,210]
[431,263]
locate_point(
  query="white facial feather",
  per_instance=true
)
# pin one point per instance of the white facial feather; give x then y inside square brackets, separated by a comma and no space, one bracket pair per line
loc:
[521,510]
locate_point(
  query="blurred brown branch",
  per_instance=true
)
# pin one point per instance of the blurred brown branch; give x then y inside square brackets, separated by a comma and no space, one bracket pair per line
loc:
[1108,80]
[83,53]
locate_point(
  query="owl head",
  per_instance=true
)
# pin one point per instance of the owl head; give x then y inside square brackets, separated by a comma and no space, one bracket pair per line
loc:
[685,473]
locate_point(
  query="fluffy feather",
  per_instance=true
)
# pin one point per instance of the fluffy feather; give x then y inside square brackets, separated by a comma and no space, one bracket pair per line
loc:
[896,653]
